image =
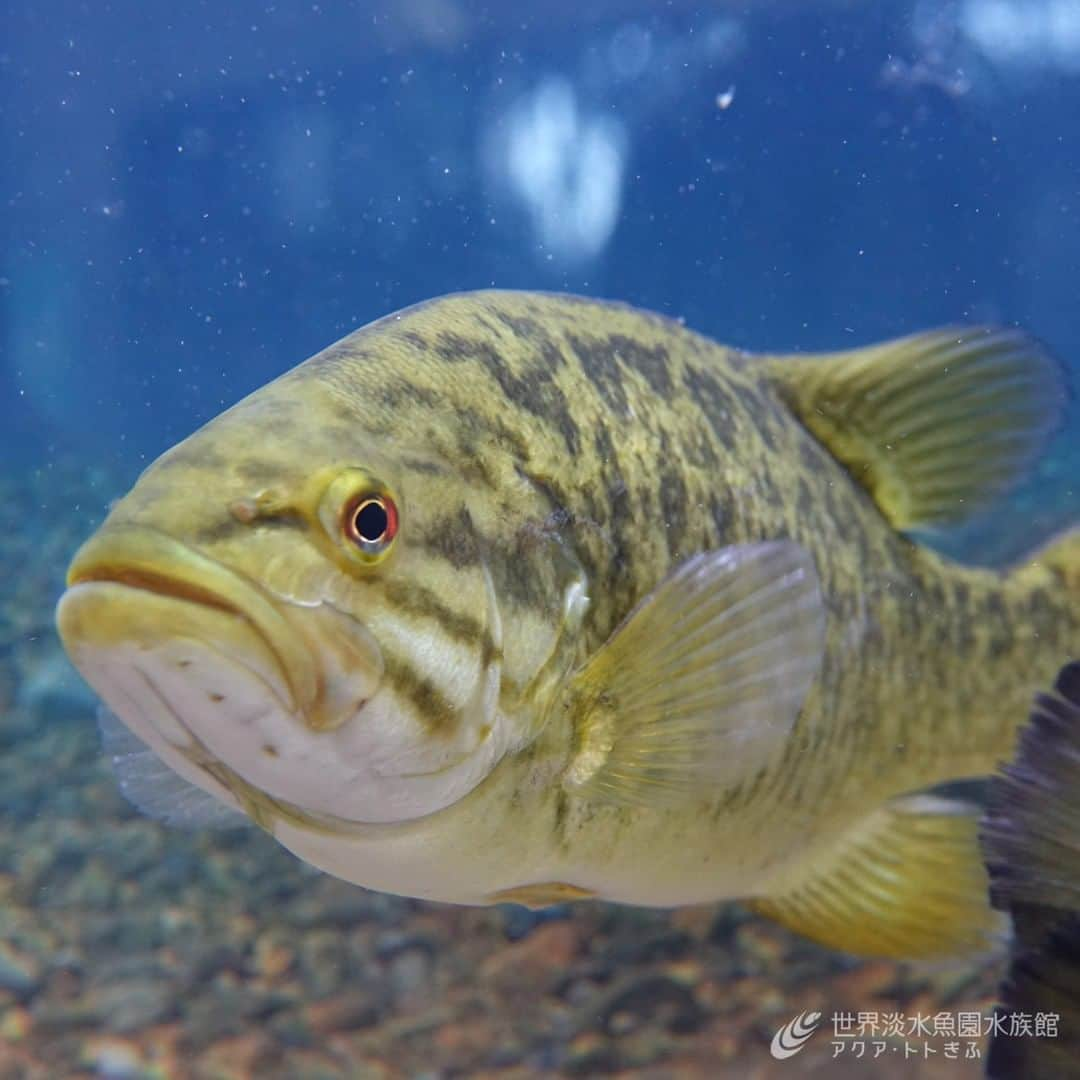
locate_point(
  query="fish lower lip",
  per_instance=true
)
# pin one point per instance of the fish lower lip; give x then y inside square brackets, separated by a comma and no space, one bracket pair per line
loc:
[145,559]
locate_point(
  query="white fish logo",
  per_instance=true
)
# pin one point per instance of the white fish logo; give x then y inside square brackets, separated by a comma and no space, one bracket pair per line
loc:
[792,1037]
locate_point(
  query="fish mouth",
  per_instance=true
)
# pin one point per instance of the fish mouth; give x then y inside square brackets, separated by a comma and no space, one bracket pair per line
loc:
[238,689]
[123,566]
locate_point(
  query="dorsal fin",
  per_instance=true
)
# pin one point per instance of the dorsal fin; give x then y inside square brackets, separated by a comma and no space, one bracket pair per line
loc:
[935,426]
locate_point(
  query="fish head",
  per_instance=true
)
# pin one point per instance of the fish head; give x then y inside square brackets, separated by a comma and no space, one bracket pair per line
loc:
[299,616]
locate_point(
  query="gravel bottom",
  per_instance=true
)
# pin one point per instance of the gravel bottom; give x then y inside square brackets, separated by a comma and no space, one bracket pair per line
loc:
[131,951]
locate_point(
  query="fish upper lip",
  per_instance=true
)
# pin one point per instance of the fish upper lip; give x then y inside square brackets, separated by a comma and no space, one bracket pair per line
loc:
[159,583]
[141,557]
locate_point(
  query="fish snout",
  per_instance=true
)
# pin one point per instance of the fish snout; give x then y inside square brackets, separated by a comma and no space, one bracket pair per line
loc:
[141,590]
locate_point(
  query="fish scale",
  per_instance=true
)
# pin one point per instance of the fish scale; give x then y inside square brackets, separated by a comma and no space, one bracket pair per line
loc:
[601,484]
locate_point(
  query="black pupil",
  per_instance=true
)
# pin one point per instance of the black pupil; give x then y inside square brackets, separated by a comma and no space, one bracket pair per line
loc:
[371,521]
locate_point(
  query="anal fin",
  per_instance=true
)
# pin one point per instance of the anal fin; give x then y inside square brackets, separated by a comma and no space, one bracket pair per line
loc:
[905,881]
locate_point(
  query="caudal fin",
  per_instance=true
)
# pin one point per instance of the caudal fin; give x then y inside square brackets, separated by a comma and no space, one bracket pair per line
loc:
[1031,841]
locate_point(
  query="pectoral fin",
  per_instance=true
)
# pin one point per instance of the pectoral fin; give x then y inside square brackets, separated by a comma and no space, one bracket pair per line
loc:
[155,789]
[935,426]
[704,679]
[906,881]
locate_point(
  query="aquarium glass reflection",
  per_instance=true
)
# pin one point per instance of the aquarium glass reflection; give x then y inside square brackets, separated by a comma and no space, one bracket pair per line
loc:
[198,197]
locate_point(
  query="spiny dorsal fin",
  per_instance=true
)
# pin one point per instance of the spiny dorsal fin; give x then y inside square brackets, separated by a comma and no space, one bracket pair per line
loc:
[702,682]
[935,426]
[905,881]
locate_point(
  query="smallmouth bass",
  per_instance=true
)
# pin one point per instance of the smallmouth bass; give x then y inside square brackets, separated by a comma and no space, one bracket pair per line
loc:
[525,597]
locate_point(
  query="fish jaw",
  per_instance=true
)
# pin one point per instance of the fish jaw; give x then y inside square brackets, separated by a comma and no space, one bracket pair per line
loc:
[210,669]
[149,563]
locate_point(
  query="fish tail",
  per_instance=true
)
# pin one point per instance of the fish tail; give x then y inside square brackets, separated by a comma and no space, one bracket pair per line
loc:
[1029,835]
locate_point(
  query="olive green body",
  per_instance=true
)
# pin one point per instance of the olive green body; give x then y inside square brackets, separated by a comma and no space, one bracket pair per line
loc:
[604,444]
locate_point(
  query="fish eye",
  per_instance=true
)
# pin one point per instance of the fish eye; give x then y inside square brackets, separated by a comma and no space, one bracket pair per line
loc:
[371,522]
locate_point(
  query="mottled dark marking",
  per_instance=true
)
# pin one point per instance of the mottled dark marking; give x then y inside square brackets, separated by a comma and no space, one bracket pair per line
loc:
[533,390]
[995,617]
[723,516]
[437,714]
[804,499]
[546,486]
[228,527]
[995,608]
[553,406]
[417,341]
[511,439]
[428,468]
[489,651]
[740,359]
[484,323]
[715,402]
[562,807]
[520,326]
[812,455]
[654,363]
[397,391]
[340,409]
[452,537]
[416,600]
[962,596]
[601,367]
[700,451]
[963,629]
[550,353]
[514,584]
[760,416]
[674,498]
[218,530]
[590,498]
[455,349]
[618,517]
[1041,611]
[1038,600]
[605,448]
[470,434]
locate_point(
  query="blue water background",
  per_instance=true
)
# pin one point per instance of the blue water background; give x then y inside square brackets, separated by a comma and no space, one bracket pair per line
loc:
[197,196]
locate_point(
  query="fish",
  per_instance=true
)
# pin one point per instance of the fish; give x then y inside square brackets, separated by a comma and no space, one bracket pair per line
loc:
[1031,844]
[514,597]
